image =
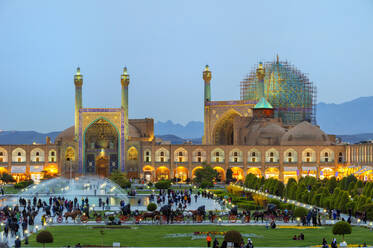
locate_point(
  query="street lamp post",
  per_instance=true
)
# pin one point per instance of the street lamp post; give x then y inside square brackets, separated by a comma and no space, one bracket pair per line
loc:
[71,166]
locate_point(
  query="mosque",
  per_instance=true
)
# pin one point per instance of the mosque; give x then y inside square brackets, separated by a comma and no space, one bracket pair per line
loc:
[271,131]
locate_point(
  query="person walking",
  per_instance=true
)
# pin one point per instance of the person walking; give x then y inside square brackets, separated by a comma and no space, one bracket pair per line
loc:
[208,239]
[17,243]
[334,243]
[249,243]
[215,244]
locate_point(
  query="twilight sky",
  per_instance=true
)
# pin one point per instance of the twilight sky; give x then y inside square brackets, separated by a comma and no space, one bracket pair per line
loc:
[165,45]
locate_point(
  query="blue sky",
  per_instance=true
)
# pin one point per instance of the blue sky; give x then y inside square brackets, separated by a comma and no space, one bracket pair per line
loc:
[165,45]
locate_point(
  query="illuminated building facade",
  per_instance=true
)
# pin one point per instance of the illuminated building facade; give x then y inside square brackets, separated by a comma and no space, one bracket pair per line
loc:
[269,132]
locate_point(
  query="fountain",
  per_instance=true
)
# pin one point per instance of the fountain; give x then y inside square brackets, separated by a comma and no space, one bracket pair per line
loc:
[80,186]
[92,187]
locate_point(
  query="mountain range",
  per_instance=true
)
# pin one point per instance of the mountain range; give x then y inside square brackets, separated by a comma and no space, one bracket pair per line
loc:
[351,121]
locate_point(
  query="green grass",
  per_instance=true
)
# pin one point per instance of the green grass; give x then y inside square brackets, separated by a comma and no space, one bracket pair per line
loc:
[11,190]
[155,236]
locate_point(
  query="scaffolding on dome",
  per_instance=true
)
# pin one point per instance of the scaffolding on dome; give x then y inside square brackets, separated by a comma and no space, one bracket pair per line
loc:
[287,89]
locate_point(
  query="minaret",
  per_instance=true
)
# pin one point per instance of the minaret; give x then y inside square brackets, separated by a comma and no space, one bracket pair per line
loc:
[125,81]
[207,79]
[206,75]
[260,73]
[78,81]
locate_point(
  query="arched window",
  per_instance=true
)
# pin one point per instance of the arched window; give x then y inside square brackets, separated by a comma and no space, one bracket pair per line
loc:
[19,154]
[1,154]
[253,154]
[199,154]
[53,153]
[37,153]
[289,154]
[147,156]
[340,157]
[217,154]
[272,156]
[132,153]
[162,153]
[180,153]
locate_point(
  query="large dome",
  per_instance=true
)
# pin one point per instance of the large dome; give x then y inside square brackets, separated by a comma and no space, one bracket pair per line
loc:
[305,134]
[287,89]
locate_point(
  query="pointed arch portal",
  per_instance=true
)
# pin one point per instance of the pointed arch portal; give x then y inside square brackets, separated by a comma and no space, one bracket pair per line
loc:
[223,129]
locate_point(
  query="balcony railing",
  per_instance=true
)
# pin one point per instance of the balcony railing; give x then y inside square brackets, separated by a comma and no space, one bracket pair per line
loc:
[37,162]
[18,163]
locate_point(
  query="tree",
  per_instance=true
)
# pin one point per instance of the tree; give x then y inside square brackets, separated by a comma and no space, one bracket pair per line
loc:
[151,207]
[163,184]
[205,177]
[229,176]
[44,237]
[234,237]
[120,179]
[342,228]
[7,178]
[300,212]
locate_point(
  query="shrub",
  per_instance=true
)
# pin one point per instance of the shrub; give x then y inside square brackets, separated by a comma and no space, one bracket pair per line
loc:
[342,228]
[300,212]
[163,184]
[24,184]
[247,205]
[275,201]
[151,207]
[287,206]
[234,237]
[44,237]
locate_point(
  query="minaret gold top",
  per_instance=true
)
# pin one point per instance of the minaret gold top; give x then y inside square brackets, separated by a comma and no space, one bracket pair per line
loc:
[207,74]
[260,72]
[78,78]
[125,78]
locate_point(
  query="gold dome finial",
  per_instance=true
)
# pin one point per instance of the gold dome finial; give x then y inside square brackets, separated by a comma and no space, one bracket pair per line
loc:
[207,74]
[125,71]
[78,71]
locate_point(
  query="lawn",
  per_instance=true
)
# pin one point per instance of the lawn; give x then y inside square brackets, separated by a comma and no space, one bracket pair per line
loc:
[11,190]
[181,236]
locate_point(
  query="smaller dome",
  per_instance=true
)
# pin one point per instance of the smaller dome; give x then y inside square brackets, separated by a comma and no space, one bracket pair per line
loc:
[270,134]
[305,134]
[66,135]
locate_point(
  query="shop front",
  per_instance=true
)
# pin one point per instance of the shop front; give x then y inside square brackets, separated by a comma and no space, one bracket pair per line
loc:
[310,171]
[18,172]
[36,172]
[290,172]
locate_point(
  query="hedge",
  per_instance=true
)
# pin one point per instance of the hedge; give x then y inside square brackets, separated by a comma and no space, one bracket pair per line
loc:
[24,184]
